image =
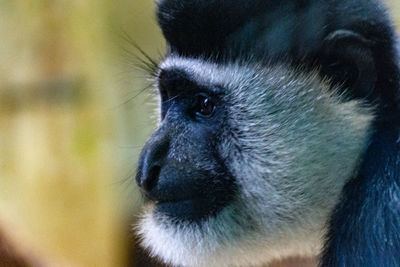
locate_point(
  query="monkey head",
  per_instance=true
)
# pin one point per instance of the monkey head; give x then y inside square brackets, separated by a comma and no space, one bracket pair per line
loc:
[259,131]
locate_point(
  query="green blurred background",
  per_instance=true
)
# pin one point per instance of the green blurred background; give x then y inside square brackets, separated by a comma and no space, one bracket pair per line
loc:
[72,122]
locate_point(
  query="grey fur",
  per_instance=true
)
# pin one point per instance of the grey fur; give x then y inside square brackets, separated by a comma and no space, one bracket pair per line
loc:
[291,142]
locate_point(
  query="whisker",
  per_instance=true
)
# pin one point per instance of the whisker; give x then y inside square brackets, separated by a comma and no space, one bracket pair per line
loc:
[143,61]
[172,98]
[137,94]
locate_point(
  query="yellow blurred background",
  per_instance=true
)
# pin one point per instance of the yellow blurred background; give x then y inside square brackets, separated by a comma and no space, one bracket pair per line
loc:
[72,122]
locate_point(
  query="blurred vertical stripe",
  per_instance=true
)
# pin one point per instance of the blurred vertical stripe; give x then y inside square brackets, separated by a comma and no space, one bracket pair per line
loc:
[59,131]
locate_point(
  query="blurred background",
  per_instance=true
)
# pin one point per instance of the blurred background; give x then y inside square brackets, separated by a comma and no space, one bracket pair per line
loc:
[74,114]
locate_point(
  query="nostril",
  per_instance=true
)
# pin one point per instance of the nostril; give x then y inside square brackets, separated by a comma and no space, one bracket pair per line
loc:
[151,160]
[151,178]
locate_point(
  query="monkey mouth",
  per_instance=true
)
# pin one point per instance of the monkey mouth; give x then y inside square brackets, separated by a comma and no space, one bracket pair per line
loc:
[189,210]
[148,196]
[191,202]
[157,199]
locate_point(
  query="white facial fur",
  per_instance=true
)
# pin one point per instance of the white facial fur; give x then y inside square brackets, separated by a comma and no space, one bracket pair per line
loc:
[292,145]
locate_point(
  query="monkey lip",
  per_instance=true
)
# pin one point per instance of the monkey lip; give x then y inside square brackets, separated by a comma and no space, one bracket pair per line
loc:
[189,205]
[193,209]
[148,196]
[174,201]
[158,200]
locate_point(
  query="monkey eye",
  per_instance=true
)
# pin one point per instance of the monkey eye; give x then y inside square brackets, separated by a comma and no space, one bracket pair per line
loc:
[204,105]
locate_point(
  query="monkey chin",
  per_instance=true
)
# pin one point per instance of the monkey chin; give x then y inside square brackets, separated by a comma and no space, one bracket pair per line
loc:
[226,239]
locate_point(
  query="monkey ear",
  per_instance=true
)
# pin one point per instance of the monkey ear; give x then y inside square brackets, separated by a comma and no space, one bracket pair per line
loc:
[348,60]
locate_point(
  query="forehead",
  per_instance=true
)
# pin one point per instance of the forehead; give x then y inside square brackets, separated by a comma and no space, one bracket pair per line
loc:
[228,76]
[253,83]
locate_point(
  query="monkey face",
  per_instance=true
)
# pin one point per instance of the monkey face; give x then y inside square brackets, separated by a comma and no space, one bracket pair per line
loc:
[180,168]
[246,157]
[264,119]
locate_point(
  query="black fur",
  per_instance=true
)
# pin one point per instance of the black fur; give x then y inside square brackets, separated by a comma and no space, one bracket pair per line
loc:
[365,227]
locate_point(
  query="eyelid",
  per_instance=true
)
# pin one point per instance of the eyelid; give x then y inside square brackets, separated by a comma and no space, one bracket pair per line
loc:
[189,87]
[214,91]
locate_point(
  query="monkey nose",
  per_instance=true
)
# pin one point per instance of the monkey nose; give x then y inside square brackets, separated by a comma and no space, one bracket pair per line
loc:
[150,165]
[149,178]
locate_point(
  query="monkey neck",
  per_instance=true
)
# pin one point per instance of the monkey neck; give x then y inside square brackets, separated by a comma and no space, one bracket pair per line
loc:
[372,201]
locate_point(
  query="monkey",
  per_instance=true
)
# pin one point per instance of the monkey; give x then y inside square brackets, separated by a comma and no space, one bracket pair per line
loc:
[279,134]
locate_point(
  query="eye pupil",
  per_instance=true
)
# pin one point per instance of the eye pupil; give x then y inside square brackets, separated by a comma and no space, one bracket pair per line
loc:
[206,107]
